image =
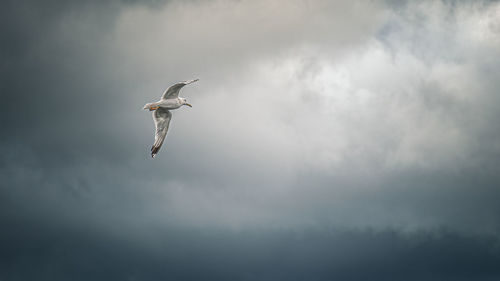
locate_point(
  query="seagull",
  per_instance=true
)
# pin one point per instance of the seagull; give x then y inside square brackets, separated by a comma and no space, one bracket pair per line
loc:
[169,100]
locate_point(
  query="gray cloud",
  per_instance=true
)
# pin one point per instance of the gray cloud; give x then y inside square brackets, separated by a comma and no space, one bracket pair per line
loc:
[324,135]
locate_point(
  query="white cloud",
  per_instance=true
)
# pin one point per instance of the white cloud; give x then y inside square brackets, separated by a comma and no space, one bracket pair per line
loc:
[349,93]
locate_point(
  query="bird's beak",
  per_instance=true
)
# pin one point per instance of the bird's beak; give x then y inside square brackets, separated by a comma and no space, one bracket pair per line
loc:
[192,81]
[189,105]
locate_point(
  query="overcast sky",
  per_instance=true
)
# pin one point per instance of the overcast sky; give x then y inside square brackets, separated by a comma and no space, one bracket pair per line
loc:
[348,140]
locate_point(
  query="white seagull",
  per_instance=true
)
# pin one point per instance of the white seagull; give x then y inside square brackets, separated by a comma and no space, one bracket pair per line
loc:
[162,115]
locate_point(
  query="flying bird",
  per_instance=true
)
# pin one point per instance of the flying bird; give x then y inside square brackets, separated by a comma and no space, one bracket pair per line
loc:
[161,112]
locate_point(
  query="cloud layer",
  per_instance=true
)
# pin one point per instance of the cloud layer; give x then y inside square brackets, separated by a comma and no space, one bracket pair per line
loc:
[324,136]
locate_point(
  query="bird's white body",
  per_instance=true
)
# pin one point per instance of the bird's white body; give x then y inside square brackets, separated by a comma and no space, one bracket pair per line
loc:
[161,112]
[168,103]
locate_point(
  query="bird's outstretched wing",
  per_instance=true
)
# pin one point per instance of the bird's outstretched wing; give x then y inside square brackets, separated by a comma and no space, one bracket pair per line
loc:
[162,118]
[173,91]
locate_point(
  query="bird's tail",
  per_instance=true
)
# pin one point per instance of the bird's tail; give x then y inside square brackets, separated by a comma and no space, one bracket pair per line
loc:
[147,106]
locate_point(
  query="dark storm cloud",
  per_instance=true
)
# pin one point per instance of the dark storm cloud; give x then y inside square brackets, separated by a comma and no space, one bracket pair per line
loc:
[79,253]
[328,140]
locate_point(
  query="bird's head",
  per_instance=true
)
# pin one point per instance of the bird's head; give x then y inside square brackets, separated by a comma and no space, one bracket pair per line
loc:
[184,102]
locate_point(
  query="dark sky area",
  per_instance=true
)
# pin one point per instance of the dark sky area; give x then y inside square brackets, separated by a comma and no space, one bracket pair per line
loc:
[328,140]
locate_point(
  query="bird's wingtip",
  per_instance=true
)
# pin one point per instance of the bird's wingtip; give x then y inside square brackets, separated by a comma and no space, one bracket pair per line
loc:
[154,151]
